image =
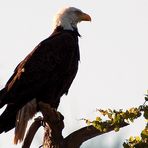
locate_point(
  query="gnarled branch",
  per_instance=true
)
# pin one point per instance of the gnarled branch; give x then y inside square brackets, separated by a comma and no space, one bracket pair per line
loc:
[75,139]
[53,126]
[31,132]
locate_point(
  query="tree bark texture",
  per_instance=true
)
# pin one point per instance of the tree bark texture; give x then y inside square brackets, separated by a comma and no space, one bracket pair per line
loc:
[53,124]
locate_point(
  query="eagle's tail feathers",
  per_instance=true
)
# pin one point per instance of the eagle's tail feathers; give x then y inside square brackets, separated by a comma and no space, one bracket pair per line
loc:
[23,116]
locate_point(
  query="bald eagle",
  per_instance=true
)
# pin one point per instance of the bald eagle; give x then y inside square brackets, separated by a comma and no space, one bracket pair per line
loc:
[44,75]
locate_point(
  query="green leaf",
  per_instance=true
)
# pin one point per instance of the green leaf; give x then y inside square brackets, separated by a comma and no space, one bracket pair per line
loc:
[98,119]
[109,116]
[110,110]
[144,133]
[131,139]
[116,129]
[105,130]
[145,112]
[97,126]
[87,122]
[103,112]
[138,139]
[146,98]
[125,145]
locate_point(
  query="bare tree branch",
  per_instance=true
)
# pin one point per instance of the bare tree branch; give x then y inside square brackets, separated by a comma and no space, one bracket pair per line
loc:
[75,139]
[53,126]
[31,132]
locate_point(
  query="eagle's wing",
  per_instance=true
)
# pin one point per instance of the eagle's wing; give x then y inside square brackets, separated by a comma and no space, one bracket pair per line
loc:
[43,65]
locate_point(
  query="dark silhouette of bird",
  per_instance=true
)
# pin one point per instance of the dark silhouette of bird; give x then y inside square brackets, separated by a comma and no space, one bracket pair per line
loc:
[46,74]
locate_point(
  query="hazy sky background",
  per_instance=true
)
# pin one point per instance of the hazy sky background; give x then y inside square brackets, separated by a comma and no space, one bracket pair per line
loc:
[113,71]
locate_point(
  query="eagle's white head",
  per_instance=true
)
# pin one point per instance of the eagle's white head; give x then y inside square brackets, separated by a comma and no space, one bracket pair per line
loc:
[69,17]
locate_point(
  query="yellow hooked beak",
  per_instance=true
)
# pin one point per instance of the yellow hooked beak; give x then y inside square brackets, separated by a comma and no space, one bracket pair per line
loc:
[85,17]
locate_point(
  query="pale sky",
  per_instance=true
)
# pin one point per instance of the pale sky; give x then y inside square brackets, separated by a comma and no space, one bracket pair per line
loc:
[113,71]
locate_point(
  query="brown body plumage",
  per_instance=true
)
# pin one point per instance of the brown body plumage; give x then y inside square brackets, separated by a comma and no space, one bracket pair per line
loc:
[44,75]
